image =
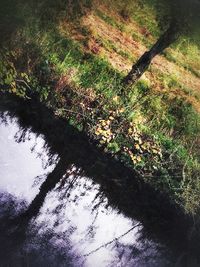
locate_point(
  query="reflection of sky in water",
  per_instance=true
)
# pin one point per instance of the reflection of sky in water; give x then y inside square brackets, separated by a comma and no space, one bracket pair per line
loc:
[19,167]
[93,228]
[79,208]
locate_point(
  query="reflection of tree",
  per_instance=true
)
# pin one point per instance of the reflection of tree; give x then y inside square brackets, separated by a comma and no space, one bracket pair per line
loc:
[132,255]
[115,240]
[52,179]
[162,220]
[32,246]
[140,250]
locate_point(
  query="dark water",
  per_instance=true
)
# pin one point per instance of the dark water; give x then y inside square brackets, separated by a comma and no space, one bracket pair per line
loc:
[63,203]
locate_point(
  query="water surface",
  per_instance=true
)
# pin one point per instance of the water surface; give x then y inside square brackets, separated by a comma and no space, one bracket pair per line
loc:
[62,204]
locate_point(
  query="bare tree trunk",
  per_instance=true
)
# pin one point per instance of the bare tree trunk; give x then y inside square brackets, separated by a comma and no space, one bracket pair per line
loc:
[166,39]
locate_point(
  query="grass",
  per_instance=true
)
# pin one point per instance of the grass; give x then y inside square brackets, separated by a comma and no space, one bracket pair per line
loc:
[109,20]
[148,130]
[188,62]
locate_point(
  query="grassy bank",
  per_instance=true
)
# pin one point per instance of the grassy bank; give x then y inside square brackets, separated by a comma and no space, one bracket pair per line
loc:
[56,50]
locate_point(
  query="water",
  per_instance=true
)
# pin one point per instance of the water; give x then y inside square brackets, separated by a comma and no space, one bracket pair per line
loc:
[63,204]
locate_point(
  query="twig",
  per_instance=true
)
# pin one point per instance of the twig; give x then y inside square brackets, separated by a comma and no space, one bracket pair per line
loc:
[74,112]
[22,81]
[110,242]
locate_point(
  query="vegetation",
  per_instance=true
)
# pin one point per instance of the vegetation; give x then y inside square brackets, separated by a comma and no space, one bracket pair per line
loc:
[182,17]
[74,56]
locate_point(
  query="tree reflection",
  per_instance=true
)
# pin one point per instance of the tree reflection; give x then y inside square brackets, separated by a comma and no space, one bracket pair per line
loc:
[33,246]
[50,182]
[118,188]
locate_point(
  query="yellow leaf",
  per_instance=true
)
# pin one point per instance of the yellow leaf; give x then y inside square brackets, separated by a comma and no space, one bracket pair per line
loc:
[130,131]
[121,110]
[137,146]
[154,151]
[116,98]
[143,147]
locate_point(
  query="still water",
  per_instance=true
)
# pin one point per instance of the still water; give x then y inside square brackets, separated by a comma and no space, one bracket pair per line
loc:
[60,205]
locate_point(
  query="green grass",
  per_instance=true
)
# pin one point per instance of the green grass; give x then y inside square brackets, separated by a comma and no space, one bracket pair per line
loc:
[109,20]
[155,135]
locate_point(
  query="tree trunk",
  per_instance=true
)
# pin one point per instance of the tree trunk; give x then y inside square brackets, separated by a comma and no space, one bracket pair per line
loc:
[166,39]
